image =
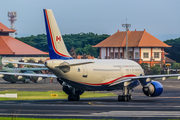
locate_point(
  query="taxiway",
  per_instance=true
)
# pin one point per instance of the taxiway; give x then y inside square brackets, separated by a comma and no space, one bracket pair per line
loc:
[165,106]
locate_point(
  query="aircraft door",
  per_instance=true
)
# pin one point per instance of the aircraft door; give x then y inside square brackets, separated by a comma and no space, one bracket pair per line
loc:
[85,72]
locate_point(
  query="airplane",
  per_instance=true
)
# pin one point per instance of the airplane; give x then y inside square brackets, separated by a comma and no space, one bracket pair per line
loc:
[79,75]
[15,78]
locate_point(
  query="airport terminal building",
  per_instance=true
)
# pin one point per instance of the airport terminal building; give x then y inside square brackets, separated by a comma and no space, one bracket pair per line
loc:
[142,47]
[15,50]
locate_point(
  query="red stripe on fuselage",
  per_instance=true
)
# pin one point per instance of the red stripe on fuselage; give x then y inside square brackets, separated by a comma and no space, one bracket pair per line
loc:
[52,37]
[108,82]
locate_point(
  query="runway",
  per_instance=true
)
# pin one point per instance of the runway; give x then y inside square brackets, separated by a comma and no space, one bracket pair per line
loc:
[165,106]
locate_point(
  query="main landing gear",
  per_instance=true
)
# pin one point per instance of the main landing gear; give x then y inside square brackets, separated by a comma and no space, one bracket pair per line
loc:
[73,93]
[73,97]
[126,95]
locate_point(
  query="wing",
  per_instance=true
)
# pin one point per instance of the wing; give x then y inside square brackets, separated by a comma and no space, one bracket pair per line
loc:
[28,74]
[142,79]
[33,64]
[28,69]
[42,65]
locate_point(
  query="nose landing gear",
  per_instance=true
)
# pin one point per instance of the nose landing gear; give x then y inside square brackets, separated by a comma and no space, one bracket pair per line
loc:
[126,94]
[124,97]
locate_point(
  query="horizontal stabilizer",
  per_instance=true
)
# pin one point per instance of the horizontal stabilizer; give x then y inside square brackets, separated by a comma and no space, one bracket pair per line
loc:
[23,63]
[75,64]
[29,74]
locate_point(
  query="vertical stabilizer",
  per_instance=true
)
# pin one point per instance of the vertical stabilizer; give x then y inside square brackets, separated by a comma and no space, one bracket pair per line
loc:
[57,48]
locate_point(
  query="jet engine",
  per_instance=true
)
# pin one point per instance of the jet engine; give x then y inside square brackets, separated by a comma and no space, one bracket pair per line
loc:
[153,89]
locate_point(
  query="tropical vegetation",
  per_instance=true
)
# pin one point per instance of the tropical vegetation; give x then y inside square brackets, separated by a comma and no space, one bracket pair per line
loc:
[174,50]
[81,42]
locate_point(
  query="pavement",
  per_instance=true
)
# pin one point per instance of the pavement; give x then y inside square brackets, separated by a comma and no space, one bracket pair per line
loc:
[43,85]
[166,106]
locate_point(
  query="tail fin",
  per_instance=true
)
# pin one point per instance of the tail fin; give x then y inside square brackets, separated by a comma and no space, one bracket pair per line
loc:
[57,48]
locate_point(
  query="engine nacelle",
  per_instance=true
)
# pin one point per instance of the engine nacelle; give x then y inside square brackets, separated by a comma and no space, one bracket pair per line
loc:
[72,91]
[153,89]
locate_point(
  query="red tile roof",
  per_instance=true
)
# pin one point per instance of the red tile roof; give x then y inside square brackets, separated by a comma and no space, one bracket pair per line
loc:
[88,56]
[168,60]
[165,53]
[3,28]
[135,39]
[12,46]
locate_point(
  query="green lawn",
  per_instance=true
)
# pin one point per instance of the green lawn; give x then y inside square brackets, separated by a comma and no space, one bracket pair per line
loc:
[34,95]
[16,118]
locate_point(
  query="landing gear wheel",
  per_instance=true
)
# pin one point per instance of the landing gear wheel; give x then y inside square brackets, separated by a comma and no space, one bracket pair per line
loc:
[77,97]
[120,98]
[130,97]
[124,97]
[35,81]
[73,98]
[70,98]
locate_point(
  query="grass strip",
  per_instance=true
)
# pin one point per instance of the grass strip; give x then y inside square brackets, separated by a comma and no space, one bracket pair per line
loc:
[16,118]
[36,95]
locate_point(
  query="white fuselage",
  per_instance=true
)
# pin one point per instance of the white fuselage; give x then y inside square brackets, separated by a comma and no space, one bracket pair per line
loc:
[96,74]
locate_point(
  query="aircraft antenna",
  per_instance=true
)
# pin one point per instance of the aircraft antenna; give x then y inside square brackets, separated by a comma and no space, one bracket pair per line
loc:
[126,26]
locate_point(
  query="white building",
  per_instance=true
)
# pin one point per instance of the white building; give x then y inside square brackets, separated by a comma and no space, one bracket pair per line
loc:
[142,47]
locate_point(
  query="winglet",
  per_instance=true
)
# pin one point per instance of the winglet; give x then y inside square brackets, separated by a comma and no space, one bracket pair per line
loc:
[57,48]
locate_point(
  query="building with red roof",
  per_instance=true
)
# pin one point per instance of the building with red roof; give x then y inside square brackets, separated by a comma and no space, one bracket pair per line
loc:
[15,50]
[12,47]
[142,47]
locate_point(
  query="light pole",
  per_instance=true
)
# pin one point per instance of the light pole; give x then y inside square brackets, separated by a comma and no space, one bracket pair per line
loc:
[12,17]
[126,26]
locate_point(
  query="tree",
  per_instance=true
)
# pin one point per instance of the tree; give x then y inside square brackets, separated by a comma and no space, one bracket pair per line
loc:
[31,60]
[9,65]
[82,42]
[145,67]
[175,66]
[156,70]
[39,41]
[73,52]
[174,50]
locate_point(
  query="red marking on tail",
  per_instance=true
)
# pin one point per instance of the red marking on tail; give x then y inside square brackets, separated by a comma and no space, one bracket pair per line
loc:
[58,38]
[52,37]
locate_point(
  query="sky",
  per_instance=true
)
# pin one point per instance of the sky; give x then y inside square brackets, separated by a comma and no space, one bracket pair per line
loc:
[160,18]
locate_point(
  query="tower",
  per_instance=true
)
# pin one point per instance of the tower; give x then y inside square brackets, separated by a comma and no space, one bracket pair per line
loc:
[127,26]
[12,18]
